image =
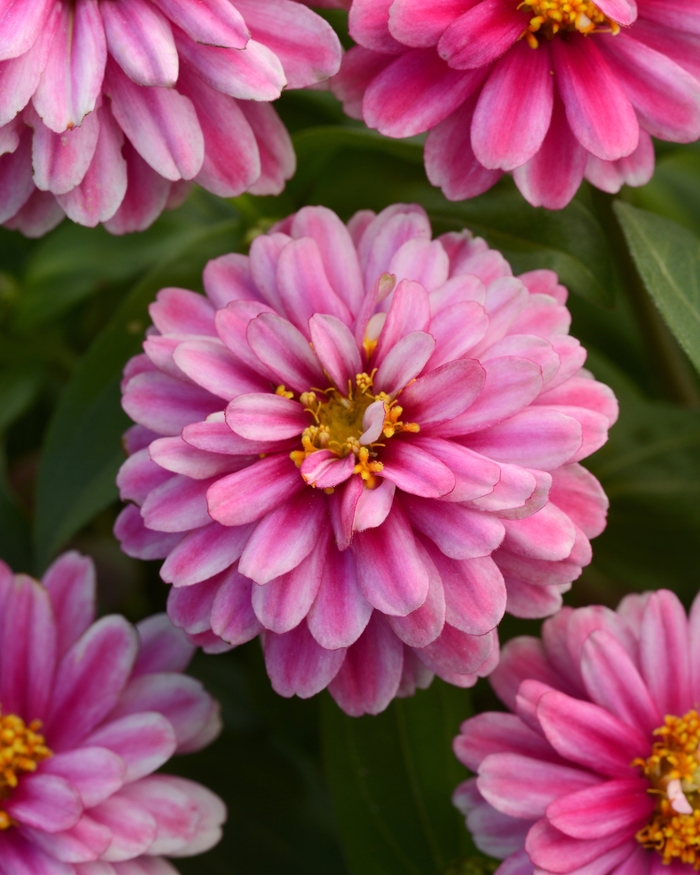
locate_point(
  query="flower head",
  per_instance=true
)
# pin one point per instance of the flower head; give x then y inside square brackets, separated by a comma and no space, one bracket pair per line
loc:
[598,769]
[550,90]
[109,109]
[88,711]
[355,443]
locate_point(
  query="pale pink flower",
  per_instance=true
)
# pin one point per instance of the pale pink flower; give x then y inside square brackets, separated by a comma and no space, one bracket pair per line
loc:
[109,108]
[88,712]
[550,90]
[598,769]
[351,441]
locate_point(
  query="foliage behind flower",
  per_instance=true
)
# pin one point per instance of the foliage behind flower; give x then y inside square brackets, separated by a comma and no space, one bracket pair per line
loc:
[551,91]
[598,769]
[108,110]
[88,711]
[357,443]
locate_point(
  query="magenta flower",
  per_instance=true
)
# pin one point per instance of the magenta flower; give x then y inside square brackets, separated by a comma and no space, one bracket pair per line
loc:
[109,108]
[354,444]
[88,711]
[598,769]
[550,90]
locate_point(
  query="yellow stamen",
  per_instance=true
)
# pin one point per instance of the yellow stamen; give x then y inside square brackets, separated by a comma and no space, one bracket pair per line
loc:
[550,17]
[673,769]
[285,393]
[22,748]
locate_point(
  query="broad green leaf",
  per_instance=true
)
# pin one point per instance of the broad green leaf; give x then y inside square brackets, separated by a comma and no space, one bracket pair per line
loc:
[674,190]
[15,532]
[18,389]
[392,777]
[650,470]
[83,451]
[668,260]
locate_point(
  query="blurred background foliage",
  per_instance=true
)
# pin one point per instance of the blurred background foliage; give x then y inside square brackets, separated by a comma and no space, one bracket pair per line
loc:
[309,790]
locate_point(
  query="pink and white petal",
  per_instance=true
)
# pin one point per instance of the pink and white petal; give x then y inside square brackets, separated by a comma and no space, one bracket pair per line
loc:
[541,440]
[138,541]
[133,828]
[481,35]
[498,835]
[444,393]
[277,158]
[589,735]
[378,553]
[550,848]
[190,607]
[203,553]
[324,470]
[422,626]
[19,76]
[232,615]
[253,74]
[60,161]
[283,602]
[664,651]
[103,188]
[635,169]
[305,44]
[70,582]
[577,492]
[548,534]
[174,455]
[298,665]
[373,506]
[160,123]
[415,93]
[180,311]
[90,679]
[404,362]
[228,278]
[174,812]
[521,786]
[340,612]
[475,475]
[215,437]
[284,537]
[140,40]
[450,344]
[266,417]
[603,120]
[450,162]
[144,742]
[495,732]
[475,594]
[162,646]
[285,351]
[20,26]
[166,405]
[414,24]
[82,844]
[458,531]
[414,471]
[19,854]
[506,132]
[210,365]
[523,657]
[179,505]
[458,652]
[72,78]
[210,22]
[95,772]
[212,815]
[369,25]
[46,802]
[336,348]
[146,196]
[597,812]
[371,672]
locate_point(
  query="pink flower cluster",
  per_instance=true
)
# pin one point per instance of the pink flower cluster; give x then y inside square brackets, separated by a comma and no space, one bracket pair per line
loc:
[88,712]
[596,771]
[355,445]
[552,91]
[109,108]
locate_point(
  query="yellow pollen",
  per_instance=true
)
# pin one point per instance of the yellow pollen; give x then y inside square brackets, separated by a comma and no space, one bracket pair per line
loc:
[21,750]
[550,17]
[673,769]
[285,393]
[338,425]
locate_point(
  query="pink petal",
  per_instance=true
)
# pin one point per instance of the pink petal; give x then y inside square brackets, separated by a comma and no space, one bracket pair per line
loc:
[175,815]
[138,541]
[324,470]
[277,158]
[20,26]
[45,802]
[415,471]
[340,612]
[70,582]
[481,35]
[378,553]
[248,495]
[422,626]
[232,615]
[72,78]
[459,532]
[450,344]
[284,537]
[284,349]
[228,278]
[458,652]
[297,665]
[664,653]
[143,741]
[443,393]
[95,772]
[549,534]
[133,828]
[597,812]
[210,22]
[215,436]
[370,675]
[61,160]
[404,362]
[549,847]
[505,132]
[145,199]
[475,594]
[475,475]
[211,366]
[173,454]
[19,76]
[179,311]
[204,553]
[414,24]
[369,25]
[166,405]
[496,732]
[141,41]
[162,646]
[603,119]
[523,657]
[266,417]
[336,349]
[424,261]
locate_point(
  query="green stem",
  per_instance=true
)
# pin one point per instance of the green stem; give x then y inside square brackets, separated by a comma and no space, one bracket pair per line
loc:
[674,370]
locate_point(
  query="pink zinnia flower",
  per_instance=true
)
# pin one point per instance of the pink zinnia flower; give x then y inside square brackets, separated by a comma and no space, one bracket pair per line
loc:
[108,108]
[550,90]
[598,769]
[88,711]
[351,441]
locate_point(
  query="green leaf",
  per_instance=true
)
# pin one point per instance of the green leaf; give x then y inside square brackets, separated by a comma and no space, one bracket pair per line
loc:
[392,778]
[18,390]
[674,190]
[83,447]
[15,532]
[650,470]
[668,260]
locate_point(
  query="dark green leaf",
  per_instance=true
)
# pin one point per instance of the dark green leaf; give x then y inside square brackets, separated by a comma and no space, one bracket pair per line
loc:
[18,389]
[83,450]
[674,190]
[668,260]
[15,533]
[392,777]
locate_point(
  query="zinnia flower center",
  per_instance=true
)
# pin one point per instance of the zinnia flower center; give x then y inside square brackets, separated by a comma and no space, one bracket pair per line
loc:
[674,772]
[22,748]
[550,17]
[339,425]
